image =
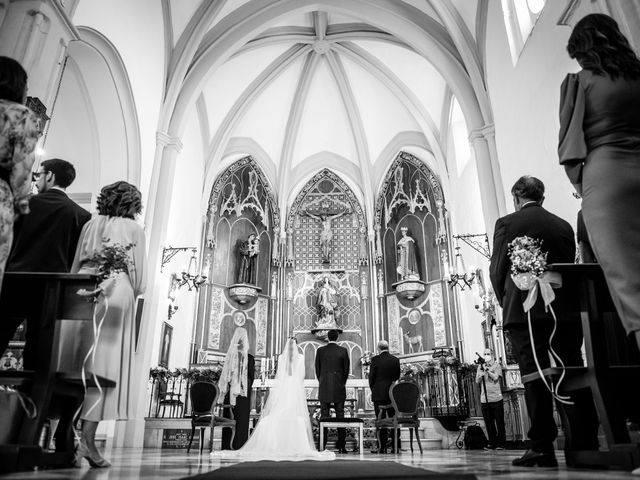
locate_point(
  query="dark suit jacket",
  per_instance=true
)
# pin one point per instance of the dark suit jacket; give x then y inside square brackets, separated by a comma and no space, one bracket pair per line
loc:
[45,240]
[384,370]
[557,239]
[332,370]
[251,371]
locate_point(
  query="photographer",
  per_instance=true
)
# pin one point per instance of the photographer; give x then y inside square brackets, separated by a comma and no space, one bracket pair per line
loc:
[488,376]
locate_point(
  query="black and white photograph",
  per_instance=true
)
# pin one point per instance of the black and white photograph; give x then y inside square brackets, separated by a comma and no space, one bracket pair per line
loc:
[320,239]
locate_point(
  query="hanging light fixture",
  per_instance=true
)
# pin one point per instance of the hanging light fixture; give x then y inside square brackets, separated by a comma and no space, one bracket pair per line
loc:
[190,276]
[455,273]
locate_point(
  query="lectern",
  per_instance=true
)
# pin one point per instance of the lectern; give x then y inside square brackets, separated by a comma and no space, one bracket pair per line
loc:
[47,298]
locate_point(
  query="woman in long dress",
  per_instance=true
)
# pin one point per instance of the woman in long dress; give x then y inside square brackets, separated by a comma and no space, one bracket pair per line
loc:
[284,429]
[235,385]
[114,341]
[600,149]
[18,137]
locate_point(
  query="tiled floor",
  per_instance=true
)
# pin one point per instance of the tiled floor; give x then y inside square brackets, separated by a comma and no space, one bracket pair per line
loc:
[171,464]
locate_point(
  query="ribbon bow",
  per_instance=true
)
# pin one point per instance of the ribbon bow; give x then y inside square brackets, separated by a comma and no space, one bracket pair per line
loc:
[545,284]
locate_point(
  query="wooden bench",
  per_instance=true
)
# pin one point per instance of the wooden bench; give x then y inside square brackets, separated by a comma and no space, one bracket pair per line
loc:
[612,370]
[51,297]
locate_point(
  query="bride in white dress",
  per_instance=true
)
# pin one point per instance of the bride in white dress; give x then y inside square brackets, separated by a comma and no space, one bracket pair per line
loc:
[284,429]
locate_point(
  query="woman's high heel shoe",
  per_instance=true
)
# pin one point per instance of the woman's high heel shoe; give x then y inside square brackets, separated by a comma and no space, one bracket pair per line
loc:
[95,462]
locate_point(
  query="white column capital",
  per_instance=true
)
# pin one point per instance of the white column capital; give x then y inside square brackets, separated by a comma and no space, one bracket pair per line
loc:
[482,133]
[167,141]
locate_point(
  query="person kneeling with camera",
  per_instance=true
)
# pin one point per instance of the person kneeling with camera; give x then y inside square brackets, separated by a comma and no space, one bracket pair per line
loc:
[488,376]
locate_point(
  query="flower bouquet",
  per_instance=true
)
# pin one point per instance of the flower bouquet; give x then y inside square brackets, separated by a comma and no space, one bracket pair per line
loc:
[365,359]
[110,261]
[528,261]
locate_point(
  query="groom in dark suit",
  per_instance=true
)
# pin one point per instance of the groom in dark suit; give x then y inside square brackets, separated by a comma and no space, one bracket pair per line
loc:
[384,370]
[45,240]
[332,370]
[557,239]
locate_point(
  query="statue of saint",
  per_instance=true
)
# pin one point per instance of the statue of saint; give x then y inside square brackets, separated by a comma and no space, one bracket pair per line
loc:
[326,235]
[327,302]
[407,259]
[249,251]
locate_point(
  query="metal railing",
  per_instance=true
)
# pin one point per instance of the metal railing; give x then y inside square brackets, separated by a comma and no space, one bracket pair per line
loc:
[446,391]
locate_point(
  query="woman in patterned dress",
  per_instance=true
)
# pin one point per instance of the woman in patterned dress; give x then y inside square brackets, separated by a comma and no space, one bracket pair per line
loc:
[18,137]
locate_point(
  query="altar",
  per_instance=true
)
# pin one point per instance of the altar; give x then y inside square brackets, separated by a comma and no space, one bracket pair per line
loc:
[328,261]
[372,273]
[358,400]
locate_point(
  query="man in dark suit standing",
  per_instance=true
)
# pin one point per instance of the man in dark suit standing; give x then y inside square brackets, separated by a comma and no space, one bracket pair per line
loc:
[332,370]
[44,241]
[384,370]
[558,241]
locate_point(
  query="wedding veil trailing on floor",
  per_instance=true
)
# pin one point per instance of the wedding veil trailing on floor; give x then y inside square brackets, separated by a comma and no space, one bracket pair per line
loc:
[284,429]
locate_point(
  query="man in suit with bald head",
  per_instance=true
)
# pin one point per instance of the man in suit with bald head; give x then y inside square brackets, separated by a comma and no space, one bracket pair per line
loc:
[384,370]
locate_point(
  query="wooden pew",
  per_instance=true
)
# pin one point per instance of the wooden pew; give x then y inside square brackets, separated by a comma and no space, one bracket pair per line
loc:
[612,371]
[51,297]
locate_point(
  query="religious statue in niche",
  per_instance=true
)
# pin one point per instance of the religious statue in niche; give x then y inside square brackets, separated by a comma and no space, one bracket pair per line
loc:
[407,260]
[325,217]
[327,302]
[249,251]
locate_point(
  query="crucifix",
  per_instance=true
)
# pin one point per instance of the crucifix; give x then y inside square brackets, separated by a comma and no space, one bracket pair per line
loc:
[325,217]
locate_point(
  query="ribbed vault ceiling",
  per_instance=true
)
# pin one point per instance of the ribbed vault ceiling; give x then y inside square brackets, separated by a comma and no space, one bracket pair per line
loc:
[318,89]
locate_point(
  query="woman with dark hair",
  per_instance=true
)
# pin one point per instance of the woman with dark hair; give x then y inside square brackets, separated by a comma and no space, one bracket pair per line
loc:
[111,245]
[600,150]
[18,137]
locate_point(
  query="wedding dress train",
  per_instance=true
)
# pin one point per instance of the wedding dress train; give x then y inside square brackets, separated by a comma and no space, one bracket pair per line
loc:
[284,429]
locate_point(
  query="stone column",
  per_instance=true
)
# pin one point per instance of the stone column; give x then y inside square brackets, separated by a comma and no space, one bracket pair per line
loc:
[131,432]
[491,191]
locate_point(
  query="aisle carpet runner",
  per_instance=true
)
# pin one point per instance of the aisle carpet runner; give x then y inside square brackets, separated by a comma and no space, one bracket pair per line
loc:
[336,470]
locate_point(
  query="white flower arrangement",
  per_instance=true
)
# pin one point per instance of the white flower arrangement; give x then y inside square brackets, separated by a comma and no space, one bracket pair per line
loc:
[528,261]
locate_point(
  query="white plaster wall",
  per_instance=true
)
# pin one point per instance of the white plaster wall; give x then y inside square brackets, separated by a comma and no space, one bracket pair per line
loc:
[136,30]
[465,211]
[74,137]
[525,102]
[87,127]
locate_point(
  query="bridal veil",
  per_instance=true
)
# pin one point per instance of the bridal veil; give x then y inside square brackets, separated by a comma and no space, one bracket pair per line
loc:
[284,429]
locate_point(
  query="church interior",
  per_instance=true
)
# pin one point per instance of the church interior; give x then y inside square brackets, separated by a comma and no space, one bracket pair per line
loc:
[308,167]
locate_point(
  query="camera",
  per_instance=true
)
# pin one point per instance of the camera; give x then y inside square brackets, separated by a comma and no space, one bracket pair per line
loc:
[480,361]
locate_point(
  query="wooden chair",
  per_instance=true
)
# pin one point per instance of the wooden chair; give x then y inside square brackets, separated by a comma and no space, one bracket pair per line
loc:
[612,371]
[168,398]
[203,413]
[405,400]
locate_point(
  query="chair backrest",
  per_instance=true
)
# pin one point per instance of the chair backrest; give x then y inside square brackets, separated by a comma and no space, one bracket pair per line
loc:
[405,397]
[203,397]
[162,388]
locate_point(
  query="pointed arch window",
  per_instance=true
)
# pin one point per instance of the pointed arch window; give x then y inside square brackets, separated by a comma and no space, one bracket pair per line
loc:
[520,17]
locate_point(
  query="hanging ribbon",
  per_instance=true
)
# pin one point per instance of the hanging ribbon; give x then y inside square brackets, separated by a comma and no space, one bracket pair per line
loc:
[25,401]
[100,293]
[544,285]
